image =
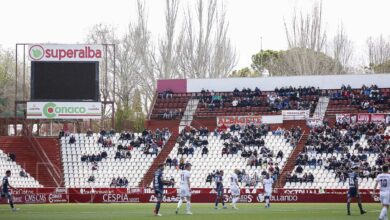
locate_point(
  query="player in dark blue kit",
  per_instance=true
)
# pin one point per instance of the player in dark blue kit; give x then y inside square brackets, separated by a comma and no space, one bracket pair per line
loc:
[158,185]
[219,188]
[353,191]
[5,193]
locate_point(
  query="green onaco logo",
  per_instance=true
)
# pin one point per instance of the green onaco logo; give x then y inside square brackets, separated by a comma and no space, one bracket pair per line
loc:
[50,110]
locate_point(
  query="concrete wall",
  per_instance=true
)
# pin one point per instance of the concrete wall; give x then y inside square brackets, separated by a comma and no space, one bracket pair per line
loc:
[270,83]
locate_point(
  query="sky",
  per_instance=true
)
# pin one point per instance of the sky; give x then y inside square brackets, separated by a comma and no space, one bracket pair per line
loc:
[68,21]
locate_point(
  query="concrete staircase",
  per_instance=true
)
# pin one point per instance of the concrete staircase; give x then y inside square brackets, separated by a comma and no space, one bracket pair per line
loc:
[161,157]
[321,108]
[188,115]
[47,170]
[290,164]
[173,126]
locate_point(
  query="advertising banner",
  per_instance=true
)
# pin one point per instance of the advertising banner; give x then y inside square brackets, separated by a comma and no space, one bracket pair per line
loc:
[199,195]
[362,118]
[64,110]
[65,52]
[249,120]
[295,114]
[378,118]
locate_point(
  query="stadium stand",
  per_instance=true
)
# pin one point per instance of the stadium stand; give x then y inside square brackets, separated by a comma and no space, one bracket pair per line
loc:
[19,178]
[331,152]
[89,163]
[297,160]
[364,100]
[40,157]
[256,102]
[255,150]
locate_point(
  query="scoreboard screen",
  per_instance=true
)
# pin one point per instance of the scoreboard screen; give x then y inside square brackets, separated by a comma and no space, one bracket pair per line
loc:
[64,81]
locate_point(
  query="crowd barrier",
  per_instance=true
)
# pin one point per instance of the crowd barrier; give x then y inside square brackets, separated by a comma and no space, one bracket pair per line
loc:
[199,195]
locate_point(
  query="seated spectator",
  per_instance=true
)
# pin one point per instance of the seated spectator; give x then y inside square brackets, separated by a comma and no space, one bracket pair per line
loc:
[91,179]
[280,154]
[61,134]
[89,133]
[174,162]
[299,169]
[128,155]
[205,150]
[23,174]
[191,150]
[168,162]
[84,158]
[12,157]
[72,139]
[125,182]
[113,182]
[310,178]
[104,154]
[94,166]
[209,178]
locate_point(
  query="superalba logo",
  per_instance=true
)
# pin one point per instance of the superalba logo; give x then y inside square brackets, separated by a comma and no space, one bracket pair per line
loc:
[65,52]
[87,52]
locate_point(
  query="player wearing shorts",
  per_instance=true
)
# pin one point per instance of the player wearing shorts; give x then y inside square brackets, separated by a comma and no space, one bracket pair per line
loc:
[383,180]
[185,189]
[219,188]
[353,191]
[158,185]
[5,193]
[267,184]
[234,188]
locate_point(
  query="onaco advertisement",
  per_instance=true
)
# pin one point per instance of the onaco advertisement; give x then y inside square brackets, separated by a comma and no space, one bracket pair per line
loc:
[64,110]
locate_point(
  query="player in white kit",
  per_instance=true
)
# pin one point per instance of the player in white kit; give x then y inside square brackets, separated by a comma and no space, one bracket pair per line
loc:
[267,184]
[185,189]
[234,188]
[383,180]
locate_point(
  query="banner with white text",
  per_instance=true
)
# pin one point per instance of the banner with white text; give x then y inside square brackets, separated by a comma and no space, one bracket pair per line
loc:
[249,120]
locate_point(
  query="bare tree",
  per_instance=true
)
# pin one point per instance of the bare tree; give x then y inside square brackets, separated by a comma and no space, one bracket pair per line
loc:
[206,50]
[104,34]
[306,31]
[168,63]
[7,80]
[378,52]
[341,50]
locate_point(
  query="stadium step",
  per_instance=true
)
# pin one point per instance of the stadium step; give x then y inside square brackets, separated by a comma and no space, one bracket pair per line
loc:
[30,160]
[173,126]
[290,164]
[162,156]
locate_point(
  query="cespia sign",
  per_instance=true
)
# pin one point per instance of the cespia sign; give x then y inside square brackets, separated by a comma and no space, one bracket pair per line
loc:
[65,52]
[64,110]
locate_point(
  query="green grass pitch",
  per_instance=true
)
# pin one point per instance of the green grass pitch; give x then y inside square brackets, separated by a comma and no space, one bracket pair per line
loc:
[201,212]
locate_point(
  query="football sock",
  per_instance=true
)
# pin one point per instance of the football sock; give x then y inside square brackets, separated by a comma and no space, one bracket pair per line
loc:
[383,213]
[188,205]
[11,203]
[179,203]
[158,207]
[360,207]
